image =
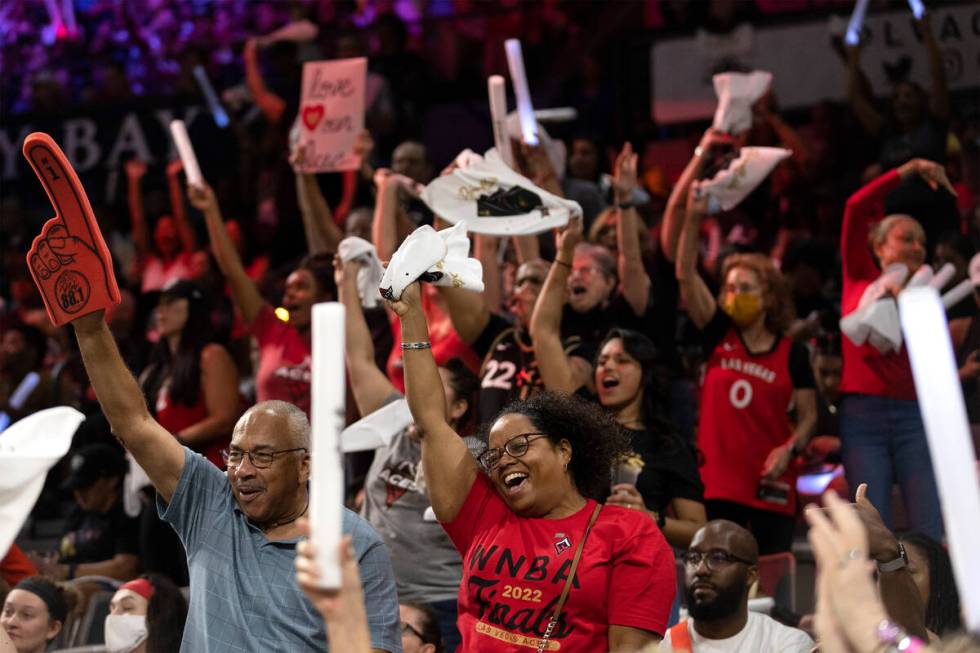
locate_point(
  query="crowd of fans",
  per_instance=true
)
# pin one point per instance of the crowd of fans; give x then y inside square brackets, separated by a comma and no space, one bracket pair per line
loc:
[651,386]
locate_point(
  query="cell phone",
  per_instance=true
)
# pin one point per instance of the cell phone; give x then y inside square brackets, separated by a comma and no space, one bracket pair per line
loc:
[775,492]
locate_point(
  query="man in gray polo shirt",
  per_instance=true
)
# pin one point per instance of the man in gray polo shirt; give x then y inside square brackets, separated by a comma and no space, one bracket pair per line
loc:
[239,528]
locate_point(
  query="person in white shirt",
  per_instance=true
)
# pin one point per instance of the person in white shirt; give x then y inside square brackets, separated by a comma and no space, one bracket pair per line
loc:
[719,568]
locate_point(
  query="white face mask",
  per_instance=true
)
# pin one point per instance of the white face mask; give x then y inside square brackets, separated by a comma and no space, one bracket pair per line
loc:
[124,632]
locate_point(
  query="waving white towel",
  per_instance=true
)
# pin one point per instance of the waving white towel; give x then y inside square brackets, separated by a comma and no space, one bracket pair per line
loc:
[377,429]
[737,92]
[28,449]
[495,200]
[369,276]
[438,257]
[733,184]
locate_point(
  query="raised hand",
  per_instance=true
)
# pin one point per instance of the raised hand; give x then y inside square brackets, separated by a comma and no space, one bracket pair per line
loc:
[624,174]
[570,236]
[930,171]
[69,260]
[410,301]
[135,169]
[201,198]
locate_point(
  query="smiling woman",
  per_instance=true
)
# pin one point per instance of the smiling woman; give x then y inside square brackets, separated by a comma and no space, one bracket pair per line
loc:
[544,565]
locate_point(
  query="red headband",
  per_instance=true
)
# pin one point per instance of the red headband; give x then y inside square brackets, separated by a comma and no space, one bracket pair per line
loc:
[141,586]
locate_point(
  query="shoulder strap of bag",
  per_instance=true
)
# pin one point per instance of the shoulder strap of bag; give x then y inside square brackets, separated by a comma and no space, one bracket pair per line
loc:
[680,638]
[568,581]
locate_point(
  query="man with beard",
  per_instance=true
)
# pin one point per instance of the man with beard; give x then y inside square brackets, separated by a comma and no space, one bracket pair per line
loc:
[719,568]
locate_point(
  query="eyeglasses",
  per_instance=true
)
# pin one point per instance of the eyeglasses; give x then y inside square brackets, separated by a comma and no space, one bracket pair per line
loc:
[516,447]
[258,459]
[408,628]
[715,560]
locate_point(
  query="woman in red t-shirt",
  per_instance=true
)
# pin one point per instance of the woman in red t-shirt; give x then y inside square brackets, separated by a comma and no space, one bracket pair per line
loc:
[519,521]
[882,436]
[190,383]
[754,374]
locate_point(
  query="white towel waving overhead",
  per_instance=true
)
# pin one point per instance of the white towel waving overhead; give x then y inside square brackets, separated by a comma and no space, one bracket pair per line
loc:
[28,449]
[733,184]
[737,92]
[369,276]
[495,200]
[377,429]
[438,257]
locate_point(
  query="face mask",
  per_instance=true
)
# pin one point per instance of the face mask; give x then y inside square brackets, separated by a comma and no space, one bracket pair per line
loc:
[124,632]
[743,308]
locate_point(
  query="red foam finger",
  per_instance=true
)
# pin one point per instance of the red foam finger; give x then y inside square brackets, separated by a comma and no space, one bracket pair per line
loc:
[70,262]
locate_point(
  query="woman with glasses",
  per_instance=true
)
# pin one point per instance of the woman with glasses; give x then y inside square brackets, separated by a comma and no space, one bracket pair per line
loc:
[191,384]
[420,629]
[754,374]
[541,560]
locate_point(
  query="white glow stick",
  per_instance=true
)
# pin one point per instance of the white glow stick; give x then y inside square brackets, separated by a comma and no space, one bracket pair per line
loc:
[327,395]
[217,111]
[853,35]
[497,91]
[921,277]
[515,61]
[948,432]
[958,293]
[559,114]
[918,9]
[24,390]
[941,278]
[183,142]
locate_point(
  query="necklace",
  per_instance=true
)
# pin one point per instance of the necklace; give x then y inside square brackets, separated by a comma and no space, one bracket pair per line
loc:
[277,524]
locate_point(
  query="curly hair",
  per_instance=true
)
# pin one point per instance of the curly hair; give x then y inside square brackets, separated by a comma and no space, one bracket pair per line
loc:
[776,297]
[943,605]
[166,613]
[597,439]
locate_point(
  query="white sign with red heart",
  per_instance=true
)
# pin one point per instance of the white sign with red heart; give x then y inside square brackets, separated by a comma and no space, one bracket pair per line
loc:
[331,114]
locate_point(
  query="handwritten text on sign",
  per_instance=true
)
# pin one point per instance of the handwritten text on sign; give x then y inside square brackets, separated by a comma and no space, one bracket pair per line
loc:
[331,113]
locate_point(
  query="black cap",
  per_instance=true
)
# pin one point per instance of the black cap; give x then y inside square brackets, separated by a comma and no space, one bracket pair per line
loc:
[92,462]
[183,288]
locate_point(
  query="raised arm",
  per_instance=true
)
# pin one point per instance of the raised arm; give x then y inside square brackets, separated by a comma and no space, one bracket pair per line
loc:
[701,305]
[135,170]
[188,239]
[634,282]
[450,468]
[388,222]
[156,450]
[939,101]
[271,105]
[670,233]
[858,92]
[243,289]
[486,252]
[559,371]
[219,383]
[369,385]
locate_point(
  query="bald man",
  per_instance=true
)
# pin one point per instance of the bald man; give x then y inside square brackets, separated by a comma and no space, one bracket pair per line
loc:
[719,568]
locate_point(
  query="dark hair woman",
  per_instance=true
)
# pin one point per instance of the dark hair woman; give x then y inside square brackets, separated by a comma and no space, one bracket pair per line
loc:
[146,615]
[34,612]
[754,374]
[932,572]
[191,383]
[529,520]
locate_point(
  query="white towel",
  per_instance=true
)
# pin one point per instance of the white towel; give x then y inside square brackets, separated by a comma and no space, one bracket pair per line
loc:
[369,276]
[737,92]
[28,449]
[733,184]
[377,429]
[456,196]
[439,257]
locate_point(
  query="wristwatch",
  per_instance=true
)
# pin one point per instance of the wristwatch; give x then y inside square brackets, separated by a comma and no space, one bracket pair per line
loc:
[894,565]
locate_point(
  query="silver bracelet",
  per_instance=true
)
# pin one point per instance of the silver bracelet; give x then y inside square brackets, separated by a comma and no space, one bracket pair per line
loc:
[425,344]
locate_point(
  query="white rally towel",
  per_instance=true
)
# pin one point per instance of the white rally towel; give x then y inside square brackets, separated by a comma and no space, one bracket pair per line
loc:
[377,429]
[28,449]
[876,315]
[369,276]
[737,92]
[469,188]
[733,184]
[438,257]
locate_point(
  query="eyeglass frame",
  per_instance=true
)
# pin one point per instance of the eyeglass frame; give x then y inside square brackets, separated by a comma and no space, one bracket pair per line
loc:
[247,453]
[730,558]
[529,437]
[410,628]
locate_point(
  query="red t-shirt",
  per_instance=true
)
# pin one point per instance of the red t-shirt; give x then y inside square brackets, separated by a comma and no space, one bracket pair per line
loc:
[744,403]
[176,417]
[446,343]
[514,570]
[284,361]
[866,370]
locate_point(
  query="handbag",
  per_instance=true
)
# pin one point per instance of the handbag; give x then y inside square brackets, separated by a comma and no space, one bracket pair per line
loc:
[568,581]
